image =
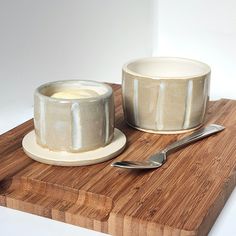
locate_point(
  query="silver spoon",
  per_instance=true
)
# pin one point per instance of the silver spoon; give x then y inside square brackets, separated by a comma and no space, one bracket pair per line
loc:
[159,158]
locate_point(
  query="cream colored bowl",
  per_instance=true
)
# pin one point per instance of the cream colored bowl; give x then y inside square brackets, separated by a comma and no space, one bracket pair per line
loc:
[164,94]
[73,116]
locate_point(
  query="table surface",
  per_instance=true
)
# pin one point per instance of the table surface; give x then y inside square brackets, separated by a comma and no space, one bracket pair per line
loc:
[26,224]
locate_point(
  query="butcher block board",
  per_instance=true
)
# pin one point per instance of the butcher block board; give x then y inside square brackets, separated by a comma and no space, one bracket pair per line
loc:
[183,197]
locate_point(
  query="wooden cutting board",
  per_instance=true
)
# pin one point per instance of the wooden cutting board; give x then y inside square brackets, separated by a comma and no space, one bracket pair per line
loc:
[182,198]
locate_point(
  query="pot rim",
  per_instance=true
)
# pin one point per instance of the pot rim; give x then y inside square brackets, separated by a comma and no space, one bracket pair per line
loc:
[80,100]
[207,69]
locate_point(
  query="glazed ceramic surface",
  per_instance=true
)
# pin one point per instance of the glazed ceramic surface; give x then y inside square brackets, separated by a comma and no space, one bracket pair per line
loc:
[74,125]
[165,95]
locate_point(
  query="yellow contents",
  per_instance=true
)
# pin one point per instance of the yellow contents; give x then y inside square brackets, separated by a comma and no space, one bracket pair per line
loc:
[75,94]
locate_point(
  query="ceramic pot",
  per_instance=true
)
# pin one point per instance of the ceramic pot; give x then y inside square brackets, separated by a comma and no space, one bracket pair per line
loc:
[165,95]
[73,125]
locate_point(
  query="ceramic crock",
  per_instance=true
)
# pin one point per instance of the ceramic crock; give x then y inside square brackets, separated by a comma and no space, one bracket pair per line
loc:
[73,125]
[165,94]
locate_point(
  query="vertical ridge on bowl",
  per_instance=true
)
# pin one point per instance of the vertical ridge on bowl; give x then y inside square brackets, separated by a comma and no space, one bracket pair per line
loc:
[188,101]
[107,122]
[76,137]
[159,112]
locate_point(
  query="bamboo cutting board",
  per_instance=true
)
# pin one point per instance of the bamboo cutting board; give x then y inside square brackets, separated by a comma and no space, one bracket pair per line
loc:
[182,198]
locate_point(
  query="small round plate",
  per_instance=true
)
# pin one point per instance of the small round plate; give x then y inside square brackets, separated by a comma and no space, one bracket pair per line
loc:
[44,155]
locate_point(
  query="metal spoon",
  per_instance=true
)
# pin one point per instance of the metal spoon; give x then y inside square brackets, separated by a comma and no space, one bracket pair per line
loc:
[159,158]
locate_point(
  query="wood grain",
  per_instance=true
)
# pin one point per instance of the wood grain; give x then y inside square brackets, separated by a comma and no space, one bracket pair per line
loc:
[183,197]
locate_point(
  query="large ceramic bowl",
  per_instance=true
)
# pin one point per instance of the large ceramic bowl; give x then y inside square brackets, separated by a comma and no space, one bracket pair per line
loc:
[165,95]
[74,125]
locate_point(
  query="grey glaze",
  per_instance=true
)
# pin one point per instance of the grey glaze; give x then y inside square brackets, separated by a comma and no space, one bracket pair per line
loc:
[73,125]
[165,94]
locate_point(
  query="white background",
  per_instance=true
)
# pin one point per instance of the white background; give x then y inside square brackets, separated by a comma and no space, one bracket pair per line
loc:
[46,40]
[204,30]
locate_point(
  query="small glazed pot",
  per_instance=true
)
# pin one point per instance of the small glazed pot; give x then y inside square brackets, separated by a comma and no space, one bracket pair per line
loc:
[73,125]
[165,94]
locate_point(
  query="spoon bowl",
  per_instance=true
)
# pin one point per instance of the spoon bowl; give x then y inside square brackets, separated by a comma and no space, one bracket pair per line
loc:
[136,164]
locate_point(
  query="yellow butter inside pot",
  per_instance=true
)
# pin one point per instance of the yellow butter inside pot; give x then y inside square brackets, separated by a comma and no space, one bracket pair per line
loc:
[75,94]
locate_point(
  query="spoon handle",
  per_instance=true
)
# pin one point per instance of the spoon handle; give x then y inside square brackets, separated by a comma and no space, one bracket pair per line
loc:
[197,135]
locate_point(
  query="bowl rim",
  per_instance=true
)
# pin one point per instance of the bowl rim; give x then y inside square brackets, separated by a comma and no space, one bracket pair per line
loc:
[131,72]
[108,93]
